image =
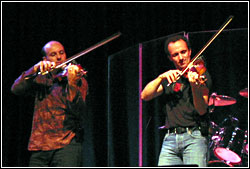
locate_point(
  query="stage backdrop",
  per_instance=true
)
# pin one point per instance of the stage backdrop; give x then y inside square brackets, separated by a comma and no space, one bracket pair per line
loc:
[125,132]
[134,138]
[123,105]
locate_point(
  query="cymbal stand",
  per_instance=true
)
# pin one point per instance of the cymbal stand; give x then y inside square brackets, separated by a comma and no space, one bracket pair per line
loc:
[212,107]
[232,138]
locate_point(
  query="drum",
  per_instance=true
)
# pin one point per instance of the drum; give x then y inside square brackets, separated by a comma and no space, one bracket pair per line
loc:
[230,151]
[218,163]
[227,155]
[246,149]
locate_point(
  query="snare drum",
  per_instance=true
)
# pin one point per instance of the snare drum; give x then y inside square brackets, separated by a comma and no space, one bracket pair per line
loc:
[227,155]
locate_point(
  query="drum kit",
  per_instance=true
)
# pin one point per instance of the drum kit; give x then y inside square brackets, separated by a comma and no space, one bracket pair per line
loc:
[228,143]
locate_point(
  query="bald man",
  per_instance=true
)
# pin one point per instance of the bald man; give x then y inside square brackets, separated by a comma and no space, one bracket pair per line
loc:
[57,127]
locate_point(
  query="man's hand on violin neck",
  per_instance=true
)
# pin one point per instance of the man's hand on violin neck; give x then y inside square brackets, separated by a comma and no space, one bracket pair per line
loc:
[44,66]
[195,79]
[73,74]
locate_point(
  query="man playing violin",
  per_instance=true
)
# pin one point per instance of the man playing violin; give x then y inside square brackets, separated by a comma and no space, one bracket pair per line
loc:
[186,104]
[57,127]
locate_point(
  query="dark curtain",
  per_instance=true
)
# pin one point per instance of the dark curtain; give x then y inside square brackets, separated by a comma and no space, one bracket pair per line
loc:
[123,107]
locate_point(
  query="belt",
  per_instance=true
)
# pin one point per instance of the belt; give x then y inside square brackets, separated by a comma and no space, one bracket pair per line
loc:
[180,130]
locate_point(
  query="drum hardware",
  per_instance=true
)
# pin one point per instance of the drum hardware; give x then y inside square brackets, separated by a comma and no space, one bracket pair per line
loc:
[226,155]
[244,150]
[231,121]
[245,144]
[218,163]
[218,130]
[217,135]
[232,138]
[218,138]
[213,124]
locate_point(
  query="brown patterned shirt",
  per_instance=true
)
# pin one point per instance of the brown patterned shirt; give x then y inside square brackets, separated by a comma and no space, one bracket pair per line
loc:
[56,119]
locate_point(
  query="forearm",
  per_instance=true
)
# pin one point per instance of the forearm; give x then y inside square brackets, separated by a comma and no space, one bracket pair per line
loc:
[152,89]
[200,98]
[21,84]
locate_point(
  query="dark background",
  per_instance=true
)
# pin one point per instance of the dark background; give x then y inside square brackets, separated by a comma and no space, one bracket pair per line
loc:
[26,27]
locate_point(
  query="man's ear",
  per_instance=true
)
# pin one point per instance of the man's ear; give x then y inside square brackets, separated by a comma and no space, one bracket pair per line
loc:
[170,58]
[190,52]
[44,58]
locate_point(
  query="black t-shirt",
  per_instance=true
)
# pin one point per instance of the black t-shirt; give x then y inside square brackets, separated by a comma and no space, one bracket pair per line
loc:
[178,100]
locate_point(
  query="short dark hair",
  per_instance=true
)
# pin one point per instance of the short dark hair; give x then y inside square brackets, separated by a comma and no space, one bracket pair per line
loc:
[175,38]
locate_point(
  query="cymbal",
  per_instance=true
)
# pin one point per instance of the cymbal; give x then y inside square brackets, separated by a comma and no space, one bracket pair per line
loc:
[221,100]
[244,92]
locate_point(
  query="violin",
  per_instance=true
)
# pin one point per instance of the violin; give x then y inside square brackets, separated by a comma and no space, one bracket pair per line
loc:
[64,72]
[198,66]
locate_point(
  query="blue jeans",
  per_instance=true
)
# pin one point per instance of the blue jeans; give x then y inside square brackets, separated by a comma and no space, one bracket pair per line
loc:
[189,148]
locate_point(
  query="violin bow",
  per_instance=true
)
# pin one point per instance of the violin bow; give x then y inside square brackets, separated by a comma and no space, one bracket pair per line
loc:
[103,42]
[112,37]
[205,46]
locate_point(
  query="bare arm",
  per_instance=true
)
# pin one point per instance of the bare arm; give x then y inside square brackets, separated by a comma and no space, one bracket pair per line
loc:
[200,93]
[21,84]
[154,88]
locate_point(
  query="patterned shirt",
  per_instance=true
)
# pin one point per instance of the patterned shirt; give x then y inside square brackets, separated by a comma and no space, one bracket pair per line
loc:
[56,119]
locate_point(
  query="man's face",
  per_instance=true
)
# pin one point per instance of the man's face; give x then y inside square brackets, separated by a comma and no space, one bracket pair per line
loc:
[179,53]
[55,52]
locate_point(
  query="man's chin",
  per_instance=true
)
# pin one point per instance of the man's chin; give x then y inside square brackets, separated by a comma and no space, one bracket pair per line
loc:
[182,67]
